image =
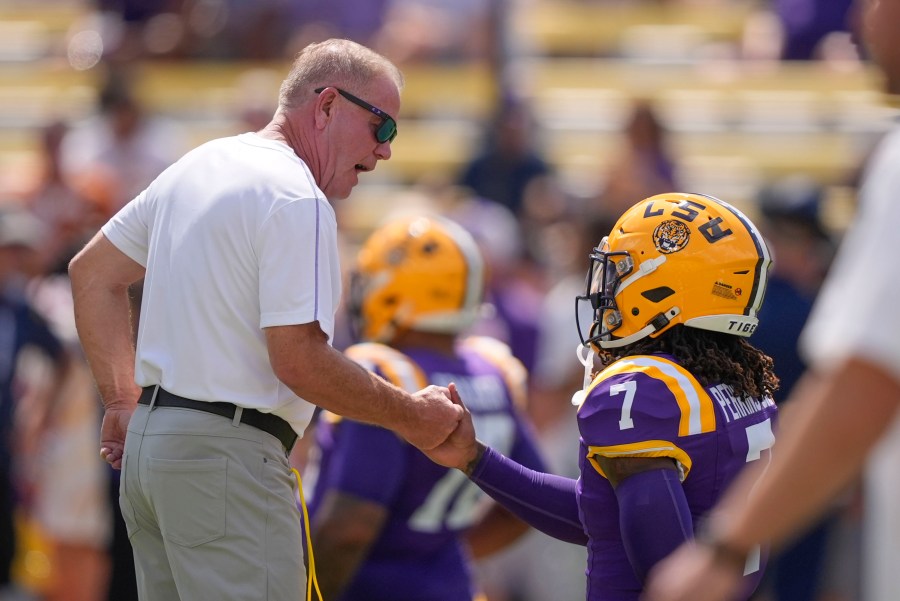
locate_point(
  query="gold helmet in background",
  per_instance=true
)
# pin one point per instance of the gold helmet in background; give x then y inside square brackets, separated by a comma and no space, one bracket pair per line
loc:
[422,273]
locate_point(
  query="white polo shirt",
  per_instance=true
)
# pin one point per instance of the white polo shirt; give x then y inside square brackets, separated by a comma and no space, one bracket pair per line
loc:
[236,236]
[856,315]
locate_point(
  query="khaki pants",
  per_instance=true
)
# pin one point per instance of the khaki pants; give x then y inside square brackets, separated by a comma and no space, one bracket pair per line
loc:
[210,509]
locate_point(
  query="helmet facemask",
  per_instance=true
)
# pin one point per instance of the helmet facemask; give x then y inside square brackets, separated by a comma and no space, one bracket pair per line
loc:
[607,269]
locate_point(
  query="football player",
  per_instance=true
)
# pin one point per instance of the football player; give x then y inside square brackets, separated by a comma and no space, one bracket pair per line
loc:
[681,403]
[386,522]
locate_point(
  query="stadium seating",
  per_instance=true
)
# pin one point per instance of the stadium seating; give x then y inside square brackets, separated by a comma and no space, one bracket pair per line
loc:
[731,123]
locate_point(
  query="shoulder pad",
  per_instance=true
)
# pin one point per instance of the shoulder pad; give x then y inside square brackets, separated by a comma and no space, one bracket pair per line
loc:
[499,355]
[391,364]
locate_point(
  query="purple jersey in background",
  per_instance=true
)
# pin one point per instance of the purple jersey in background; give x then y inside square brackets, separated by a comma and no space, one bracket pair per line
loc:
[418,555]
[649,406]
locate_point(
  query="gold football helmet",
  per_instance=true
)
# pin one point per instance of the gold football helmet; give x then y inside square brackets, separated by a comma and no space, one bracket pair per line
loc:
[421,273]
[676,258]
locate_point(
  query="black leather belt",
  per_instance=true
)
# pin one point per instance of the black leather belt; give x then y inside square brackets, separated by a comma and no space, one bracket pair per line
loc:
[267,422]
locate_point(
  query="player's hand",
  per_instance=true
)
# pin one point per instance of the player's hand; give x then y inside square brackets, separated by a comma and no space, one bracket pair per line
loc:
[112,433]
[691,573]
[461,448]
[435,416]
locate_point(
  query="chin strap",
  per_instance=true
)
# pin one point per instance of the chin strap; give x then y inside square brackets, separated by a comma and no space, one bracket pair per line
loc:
[585,355]
[655,325]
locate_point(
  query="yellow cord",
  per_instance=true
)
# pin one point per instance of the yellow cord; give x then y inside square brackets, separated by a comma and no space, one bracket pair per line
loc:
[311,576]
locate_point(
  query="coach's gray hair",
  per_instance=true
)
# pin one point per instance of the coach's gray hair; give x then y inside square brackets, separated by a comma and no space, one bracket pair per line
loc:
[334,62]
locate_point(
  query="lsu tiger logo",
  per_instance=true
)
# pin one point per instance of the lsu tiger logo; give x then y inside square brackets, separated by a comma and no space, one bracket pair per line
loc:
[671,236]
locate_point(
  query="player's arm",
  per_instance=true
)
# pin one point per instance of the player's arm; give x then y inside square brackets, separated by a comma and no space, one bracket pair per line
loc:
[654,517]
[545,501]
[343,531]
[304,361]
[500,527]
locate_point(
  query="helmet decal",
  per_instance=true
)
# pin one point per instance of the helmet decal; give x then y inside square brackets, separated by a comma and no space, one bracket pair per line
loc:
[671,236]
[725,290]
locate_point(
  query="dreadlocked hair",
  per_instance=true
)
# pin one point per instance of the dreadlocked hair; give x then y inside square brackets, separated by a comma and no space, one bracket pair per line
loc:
[712,357]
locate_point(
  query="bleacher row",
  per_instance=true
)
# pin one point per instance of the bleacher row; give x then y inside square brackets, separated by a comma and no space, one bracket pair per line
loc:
[733,124]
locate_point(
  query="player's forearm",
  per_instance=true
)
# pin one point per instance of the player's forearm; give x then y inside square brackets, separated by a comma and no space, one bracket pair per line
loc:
[826,433]
[545,501]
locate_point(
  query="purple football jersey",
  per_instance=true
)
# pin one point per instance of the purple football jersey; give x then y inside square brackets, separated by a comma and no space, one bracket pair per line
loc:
[649,406]
[418,555]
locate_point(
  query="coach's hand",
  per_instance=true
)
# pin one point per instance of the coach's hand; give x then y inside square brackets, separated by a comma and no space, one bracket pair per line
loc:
[434,417]
[461,450]
[112,433]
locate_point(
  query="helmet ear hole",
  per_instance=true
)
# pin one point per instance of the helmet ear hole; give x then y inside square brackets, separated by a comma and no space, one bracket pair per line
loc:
[655,295]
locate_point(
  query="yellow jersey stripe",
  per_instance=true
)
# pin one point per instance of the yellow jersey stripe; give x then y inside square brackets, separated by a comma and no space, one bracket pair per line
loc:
[646,448]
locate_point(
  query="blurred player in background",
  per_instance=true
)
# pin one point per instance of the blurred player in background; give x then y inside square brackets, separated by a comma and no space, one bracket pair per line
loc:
[387,523]
[682,404]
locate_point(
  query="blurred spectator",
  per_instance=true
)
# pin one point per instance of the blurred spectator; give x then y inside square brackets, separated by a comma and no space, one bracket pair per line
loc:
[70,488]
[509,161]
[515,285]
[21,329]
[317,20]
[438,30]
[69,218]
[115,154]
[806,23]
[643,166]
[126,27]
[802,251]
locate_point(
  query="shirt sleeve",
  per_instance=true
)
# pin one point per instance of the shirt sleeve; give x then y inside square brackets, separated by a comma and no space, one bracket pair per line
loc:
[299,274]
[129,229]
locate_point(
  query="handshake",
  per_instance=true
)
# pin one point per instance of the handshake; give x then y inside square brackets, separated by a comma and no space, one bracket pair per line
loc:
[443,428]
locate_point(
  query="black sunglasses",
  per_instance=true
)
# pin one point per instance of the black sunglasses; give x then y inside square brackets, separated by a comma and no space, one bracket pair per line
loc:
[387,131]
